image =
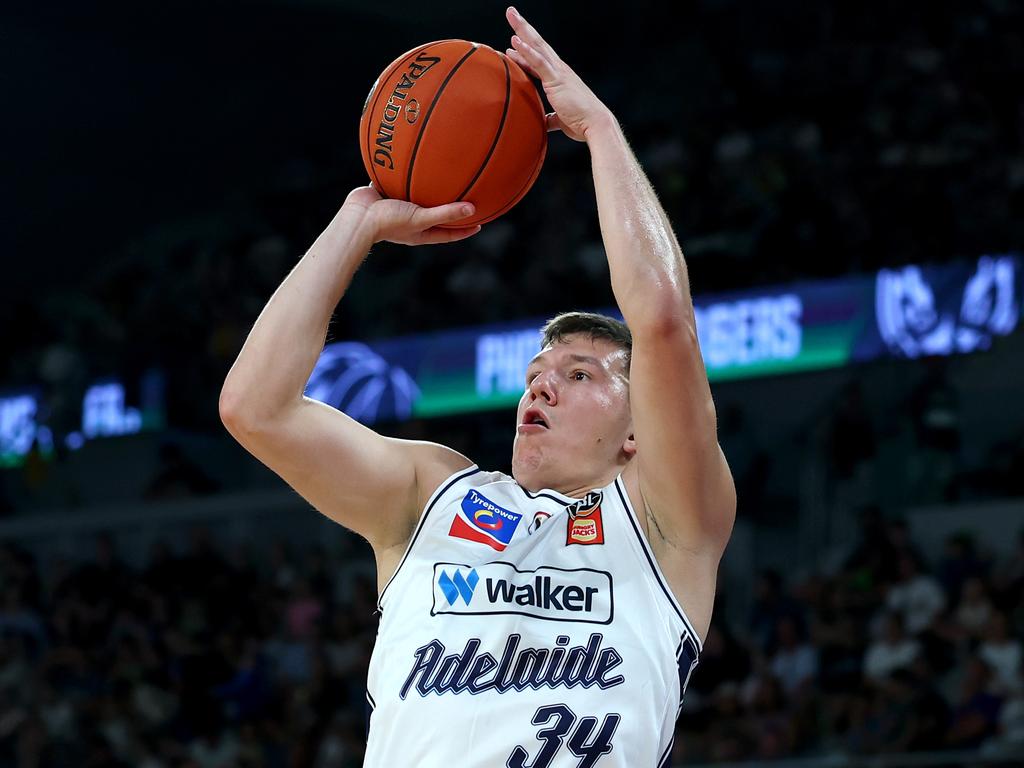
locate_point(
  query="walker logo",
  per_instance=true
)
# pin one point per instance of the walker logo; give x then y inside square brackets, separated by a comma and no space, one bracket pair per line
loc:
[484,521]
[556,594]
[584,525]
[457,586]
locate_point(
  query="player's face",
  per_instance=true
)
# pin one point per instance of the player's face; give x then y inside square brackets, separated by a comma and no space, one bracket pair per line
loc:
[573,425]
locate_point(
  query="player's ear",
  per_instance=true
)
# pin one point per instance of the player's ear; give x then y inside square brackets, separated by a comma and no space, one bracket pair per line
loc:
[629,446]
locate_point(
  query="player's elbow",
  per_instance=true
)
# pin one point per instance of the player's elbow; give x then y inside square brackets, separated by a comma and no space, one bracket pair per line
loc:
[667,317]
[231,407]
[237,411]
[251,416]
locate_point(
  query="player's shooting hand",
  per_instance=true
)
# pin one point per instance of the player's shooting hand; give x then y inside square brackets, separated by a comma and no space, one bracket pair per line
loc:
[576,107]
[407,223]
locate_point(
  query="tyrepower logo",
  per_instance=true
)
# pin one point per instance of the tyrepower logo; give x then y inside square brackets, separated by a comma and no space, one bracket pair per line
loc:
[483,521]
[556,594]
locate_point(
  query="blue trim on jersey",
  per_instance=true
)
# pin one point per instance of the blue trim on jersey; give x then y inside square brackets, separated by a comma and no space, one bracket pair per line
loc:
[686,661]
[443,488]
[646,547]
[561,498]
[666,756]
[371,705]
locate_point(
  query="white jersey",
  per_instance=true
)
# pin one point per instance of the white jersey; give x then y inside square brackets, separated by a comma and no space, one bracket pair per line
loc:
[527,630]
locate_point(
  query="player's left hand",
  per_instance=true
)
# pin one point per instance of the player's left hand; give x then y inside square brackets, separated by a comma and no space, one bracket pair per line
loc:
[576,107]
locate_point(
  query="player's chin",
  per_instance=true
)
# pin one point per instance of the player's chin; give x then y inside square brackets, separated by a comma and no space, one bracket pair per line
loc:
[526,462]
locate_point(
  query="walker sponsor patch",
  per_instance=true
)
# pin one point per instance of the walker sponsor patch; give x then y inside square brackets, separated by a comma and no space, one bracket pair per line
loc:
[584,525]
[556,594]
[483,521]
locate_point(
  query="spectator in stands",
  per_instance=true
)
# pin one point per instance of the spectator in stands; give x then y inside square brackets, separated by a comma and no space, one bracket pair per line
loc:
[976,714]
[916,596]
[838,637]
[974,611]
[893,650]
[1003,654]
[1009,577]
[771,604]
[960,562]
[795,663]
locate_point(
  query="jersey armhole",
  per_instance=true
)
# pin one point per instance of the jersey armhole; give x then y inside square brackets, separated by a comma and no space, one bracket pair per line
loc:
[442,488]
[659,577]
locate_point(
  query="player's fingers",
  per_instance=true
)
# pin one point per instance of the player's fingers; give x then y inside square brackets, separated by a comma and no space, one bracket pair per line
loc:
[426,218]
[554,123]
[439,235]
[517,57]
[537,60]
[525,30]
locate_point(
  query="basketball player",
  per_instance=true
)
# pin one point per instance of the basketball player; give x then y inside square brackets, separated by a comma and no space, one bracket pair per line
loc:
[551,618]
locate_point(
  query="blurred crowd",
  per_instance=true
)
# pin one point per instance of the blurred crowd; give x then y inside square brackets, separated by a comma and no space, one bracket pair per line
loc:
[894,652]
[224,657]
[198,659]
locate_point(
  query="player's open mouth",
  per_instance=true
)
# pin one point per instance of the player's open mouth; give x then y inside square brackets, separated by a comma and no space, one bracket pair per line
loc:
[534,418]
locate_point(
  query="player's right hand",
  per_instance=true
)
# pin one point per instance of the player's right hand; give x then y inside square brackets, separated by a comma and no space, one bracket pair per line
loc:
[398,221]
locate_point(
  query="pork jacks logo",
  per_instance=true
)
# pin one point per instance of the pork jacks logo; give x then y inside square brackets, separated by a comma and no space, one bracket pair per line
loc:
[584,525]
[483,521]
[382,154]
[918,318]
[581,595]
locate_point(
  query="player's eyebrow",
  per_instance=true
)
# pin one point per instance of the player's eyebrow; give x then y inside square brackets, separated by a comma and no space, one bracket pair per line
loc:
[587,359]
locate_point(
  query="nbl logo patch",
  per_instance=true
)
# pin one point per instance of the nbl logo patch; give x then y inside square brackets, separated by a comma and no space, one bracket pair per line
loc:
[483,521]
[584,525]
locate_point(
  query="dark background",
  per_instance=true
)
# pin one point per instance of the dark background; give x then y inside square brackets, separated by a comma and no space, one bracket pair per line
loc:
[164,601]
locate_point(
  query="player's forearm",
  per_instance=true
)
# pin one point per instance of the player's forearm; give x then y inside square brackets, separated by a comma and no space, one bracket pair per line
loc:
[648,273]
[277,358]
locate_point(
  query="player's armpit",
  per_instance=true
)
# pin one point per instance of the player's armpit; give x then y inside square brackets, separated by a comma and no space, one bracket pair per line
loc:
[373,485]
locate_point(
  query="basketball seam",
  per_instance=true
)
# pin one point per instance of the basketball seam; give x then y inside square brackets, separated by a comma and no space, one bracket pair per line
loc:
[371,107]
[426,118]
[497,136]
[517,196]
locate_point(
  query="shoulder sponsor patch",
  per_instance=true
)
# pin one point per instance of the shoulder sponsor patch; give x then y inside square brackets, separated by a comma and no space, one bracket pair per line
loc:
[584,524]
[557,594]
[538,521]
[480,519]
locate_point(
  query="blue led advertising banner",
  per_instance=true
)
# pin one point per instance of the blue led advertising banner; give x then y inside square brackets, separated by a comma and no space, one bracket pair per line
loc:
[907,312]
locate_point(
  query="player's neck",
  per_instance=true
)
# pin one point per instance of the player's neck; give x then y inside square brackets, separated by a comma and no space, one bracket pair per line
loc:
[577,488]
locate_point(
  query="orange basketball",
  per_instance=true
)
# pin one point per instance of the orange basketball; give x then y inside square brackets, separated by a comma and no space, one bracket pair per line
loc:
[454,120]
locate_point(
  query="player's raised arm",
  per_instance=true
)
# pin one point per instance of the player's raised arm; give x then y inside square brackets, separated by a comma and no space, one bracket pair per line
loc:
[683,477]
[371,484]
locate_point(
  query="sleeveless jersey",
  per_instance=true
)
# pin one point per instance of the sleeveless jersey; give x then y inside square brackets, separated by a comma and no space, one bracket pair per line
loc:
[528,630]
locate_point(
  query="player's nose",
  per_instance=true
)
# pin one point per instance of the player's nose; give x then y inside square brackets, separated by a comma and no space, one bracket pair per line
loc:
[543,388]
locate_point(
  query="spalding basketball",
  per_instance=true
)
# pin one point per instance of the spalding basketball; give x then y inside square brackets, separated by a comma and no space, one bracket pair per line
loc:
[450,121]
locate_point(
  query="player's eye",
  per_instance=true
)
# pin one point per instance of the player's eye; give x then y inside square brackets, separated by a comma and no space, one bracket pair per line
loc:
[579,375]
